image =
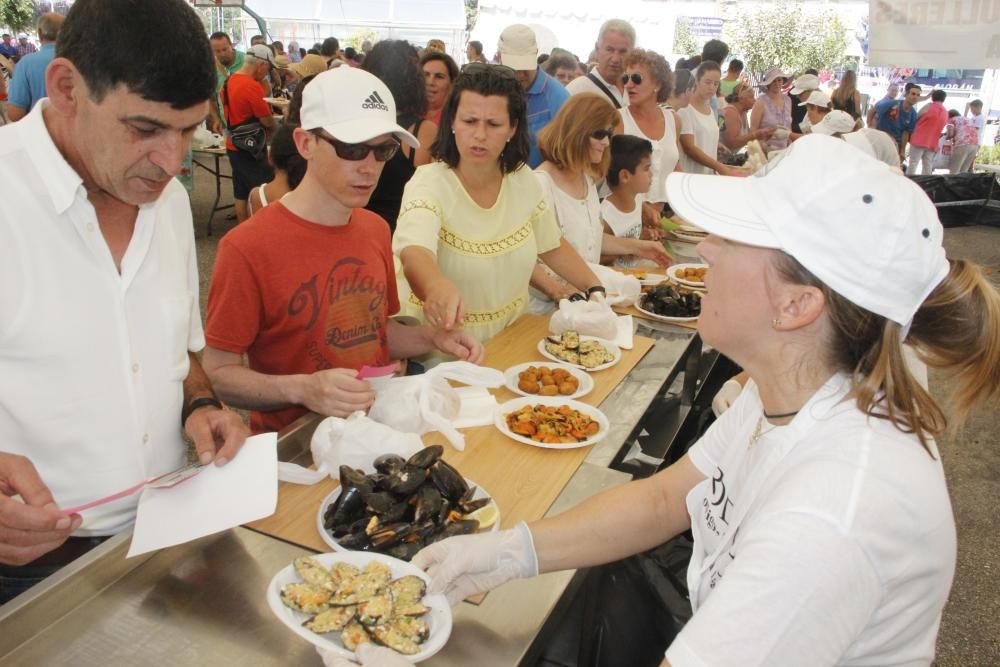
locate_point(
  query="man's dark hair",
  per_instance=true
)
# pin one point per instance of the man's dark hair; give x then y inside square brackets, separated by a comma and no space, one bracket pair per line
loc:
[485,80]
[735,66]
[627,151]
[397,63]
[258,39]
[330,47]
[285,156]
[910,86]
[277,46]
[812,71]
[350,53]
[715,50]
[314,52]
[448,61]
[221,35]
[954,113]
[559,60]
[976,103]
[103,37]
[477,46]
[683,81]
[938,95]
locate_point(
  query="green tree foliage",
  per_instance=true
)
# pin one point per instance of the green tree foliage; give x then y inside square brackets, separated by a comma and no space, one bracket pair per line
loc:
[471,14]
[17,15]
[786,35]
[684,42]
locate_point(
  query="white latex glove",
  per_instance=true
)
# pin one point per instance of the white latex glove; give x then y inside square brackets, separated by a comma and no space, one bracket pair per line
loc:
[470,564]
[727,395]
[368,655]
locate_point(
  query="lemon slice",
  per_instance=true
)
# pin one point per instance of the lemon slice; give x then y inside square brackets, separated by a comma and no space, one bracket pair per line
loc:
[486,516]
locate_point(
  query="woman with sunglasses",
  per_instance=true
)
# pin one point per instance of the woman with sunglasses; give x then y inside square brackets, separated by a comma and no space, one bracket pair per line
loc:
[648,83]
[823,531]
[576,154]
[699,126]
[773,111]
[474,223]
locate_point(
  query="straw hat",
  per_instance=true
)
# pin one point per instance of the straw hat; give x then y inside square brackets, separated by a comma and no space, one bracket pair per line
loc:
[310,65]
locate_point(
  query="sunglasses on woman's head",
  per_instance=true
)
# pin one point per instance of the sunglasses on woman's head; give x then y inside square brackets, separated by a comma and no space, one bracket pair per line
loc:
[635,76]
[602,134]
[355,152]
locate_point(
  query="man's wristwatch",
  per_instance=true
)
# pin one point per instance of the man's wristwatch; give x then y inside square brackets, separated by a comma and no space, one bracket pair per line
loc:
[596,288]
[198,403]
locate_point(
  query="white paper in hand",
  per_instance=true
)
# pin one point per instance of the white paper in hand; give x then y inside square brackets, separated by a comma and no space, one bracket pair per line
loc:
[244,490]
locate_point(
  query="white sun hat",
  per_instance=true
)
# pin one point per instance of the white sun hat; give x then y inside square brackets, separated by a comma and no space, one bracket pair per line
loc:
[353,106]
[867,232]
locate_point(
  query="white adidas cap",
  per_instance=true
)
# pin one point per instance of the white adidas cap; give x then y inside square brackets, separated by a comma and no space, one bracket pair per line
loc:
[353,106]
[867,232]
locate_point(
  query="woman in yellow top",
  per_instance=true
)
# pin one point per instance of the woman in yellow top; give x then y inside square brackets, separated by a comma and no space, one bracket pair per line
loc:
[473,224]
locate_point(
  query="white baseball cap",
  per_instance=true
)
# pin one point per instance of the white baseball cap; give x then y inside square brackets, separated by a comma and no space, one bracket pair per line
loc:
[818,98]
[518,47]
[867,232]
[835,122]
[263,53]
[353,106]
[804,83]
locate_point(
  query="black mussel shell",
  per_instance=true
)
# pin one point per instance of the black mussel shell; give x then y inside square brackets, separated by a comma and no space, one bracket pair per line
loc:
[449,481]
[348,507]
[380,501]
[429,502]
[389,463]
[405,550]
[406,480]
[357,478]
[390,534]
[401,510]
[357,540]
[426,457]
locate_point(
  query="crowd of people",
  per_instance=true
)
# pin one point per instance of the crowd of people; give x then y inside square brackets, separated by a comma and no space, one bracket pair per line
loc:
[401,207]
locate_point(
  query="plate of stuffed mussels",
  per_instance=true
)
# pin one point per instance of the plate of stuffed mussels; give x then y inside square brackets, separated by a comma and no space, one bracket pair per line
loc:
[587,352]
[338,601]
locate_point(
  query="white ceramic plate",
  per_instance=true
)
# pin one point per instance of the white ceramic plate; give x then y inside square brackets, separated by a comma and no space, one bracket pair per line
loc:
[608,345]
[332,498]
[685,235]
[586,383]
[672,272]
[662,318]
[439,616]
[500,421]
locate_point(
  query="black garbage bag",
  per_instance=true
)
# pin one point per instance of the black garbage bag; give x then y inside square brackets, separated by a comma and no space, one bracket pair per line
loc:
[957,188]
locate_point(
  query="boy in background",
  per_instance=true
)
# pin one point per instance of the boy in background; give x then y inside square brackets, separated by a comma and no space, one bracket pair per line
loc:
[629,176]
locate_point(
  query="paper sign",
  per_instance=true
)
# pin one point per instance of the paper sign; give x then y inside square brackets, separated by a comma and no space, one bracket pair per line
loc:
[215,499]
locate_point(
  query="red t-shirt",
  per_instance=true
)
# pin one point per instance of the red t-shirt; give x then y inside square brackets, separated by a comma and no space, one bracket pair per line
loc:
[246,101]
[298,297]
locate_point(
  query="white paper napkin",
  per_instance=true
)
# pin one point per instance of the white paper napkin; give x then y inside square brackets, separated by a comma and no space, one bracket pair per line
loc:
[216,499]
[478,406]
[624,337]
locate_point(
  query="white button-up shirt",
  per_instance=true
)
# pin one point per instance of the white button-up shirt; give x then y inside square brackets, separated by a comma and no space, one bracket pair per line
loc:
[92,362]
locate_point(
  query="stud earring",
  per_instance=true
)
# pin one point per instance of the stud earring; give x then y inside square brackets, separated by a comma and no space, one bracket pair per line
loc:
[776,323]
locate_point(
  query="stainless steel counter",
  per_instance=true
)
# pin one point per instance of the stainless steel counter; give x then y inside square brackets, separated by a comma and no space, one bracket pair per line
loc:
[203,603]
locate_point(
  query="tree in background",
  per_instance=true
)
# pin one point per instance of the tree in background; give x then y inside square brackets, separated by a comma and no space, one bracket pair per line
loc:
[17,15]
[785,35]
[684,42]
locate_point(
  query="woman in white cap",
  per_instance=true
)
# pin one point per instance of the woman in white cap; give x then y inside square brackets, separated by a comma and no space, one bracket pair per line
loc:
[823,532]
[841,124]
[474,223]
[773,110]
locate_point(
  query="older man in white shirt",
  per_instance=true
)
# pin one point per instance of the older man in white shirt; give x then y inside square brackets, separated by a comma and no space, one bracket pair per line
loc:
[99,315]
[615,41]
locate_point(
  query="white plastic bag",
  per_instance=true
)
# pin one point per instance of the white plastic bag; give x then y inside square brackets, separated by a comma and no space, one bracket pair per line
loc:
[356,442]
[588,318]
[622,289]
[424,403]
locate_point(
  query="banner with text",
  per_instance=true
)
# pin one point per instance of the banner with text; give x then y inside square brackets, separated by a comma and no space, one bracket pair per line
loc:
[944,34]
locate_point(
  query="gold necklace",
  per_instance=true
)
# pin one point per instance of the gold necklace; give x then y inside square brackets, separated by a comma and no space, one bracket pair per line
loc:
[756,431]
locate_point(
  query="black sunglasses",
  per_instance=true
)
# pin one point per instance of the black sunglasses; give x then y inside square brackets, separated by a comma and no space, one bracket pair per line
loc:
[602,134]
[355,152]
[476,68]
[635,76]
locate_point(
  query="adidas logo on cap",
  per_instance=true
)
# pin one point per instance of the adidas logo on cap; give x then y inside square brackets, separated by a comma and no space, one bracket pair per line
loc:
[375,101]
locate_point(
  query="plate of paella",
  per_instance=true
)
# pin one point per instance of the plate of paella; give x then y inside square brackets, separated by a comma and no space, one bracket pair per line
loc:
[551,422]
[337,601]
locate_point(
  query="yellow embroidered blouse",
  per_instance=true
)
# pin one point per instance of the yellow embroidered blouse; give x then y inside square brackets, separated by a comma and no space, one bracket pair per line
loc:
[488,254]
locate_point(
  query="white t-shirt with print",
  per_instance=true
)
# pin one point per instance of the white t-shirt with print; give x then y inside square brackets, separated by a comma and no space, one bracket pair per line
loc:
[829,541]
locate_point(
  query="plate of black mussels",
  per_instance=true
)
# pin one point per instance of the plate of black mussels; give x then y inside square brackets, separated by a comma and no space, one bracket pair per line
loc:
[670,304]
[338,601]
[405,505]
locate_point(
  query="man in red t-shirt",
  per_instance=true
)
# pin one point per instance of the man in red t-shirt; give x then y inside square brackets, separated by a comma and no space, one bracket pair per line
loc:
[306,287]
[242,101]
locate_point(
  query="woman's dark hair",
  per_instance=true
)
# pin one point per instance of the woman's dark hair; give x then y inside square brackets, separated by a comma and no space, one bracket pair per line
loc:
[627,151]
[485,80]
[683,81]
[285,156]
[295,106]
[397,64]
[954,113]
[104,38]
[559,60]
[706,67]
[448,61]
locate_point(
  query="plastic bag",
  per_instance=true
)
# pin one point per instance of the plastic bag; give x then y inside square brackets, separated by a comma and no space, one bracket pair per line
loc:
[622,289]
[588,318]
[424,403]
[356,442]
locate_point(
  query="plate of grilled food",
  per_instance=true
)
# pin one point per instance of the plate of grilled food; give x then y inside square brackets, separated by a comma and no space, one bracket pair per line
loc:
[587,352]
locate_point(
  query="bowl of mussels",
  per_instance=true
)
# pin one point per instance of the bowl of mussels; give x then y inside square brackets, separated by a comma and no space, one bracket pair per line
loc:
[670,304]
[405,505]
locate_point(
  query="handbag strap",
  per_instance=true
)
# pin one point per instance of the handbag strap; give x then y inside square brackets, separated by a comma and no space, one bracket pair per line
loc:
[600,84]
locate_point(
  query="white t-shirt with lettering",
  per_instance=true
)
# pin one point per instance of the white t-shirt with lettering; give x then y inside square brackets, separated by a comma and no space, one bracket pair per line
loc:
[828,541]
